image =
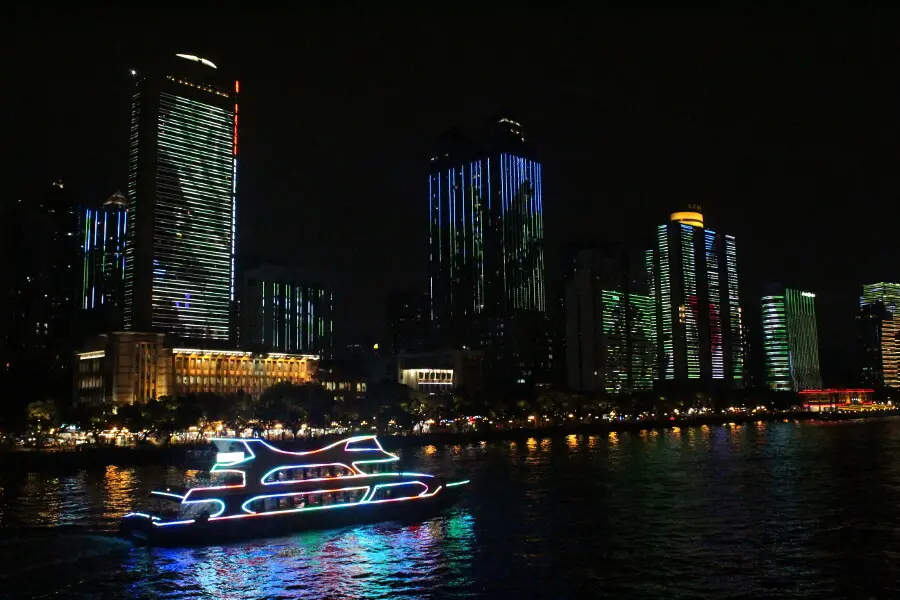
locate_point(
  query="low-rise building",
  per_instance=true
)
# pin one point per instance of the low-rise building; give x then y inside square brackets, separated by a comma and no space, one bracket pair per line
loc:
[440,372]
[127,367]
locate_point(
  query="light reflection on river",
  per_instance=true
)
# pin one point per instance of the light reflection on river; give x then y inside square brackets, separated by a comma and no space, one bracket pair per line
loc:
[736,511]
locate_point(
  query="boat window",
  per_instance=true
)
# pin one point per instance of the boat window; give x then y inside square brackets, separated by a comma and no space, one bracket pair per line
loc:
[399,491]
[366,444]
[291,474]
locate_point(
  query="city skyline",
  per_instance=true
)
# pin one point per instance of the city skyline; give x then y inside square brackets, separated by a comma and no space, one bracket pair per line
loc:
[698,121]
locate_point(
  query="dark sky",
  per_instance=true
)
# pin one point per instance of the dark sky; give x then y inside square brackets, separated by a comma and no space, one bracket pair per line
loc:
[783,126]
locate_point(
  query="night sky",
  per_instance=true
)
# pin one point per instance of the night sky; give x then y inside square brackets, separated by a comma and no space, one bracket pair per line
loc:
[785,128]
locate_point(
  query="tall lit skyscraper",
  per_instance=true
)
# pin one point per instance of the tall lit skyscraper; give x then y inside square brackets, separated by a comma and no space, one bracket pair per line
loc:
[103,270]
[879,324]
[486,237]
[790,340]
[182,200]
[692,272]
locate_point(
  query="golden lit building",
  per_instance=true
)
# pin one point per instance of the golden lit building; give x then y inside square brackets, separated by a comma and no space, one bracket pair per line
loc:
[122,367]
[227,371]
[128,367]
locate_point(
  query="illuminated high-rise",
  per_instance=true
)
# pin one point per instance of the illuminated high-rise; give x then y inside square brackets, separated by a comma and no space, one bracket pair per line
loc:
[182,185]
[790,340]
[282,311]
[879,325]
[486,249]
[103,268]
[610,329]
[692,272]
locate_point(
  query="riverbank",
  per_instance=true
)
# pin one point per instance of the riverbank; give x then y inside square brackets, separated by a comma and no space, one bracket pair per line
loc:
[179,455]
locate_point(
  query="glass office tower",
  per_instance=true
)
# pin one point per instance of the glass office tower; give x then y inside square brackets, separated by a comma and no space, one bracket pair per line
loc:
[790,340]
[693,278]
[182,185]
[486,241]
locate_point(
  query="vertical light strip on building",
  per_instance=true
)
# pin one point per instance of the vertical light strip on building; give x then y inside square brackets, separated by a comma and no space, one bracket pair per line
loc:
[665,300]
[691,308]
[615,363]
[734,309]
[715,306]
[133,165]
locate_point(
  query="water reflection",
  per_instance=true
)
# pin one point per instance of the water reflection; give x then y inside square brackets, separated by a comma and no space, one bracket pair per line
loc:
[761,511]
[119,484]
[375,561]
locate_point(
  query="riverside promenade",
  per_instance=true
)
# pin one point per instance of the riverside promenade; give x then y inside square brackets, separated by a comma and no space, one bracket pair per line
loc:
[191,455]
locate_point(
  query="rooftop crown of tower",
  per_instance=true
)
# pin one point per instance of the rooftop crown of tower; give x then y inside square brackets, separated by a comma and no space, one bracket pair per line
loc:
[692,216]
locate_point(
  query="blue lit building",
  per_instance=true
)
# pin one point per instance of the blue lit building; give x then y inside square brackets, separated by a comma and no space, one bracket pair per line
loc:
[486,249]
[693,278]
[103,268]
[182,199]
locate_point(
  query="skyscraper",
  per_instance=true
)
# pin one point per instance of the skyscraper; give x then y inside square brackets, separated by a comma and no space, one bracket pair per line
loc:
[182,200]
[692,272]
[283,311]
[39,291]
[103,269]
[879,324]
[790,339]
[486,240]
[610,329]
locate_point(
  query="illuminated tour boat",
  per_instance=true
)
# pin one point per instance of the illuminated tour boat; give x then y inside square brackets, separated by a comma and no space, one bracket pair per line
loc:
[267,491]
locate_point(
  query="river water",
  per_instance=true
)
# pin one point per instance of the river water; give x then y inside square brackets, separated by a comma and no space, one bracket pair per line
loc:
[764,510]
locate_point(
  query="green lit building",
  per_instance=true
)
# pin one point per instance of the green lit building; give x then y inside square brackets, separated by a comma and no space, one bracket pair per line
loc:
[610,329]
[283,311]
[182,200]
[790,339]
[693,279]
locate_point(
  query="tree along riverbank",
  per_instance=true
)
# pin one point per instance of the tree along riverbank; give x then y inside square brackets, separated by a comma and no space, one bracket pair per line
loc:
[195,455]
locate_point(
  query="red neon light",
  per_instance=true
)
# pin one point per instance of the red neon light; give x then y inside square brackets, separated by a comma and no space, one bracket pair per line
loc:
[235,129]
[237,87]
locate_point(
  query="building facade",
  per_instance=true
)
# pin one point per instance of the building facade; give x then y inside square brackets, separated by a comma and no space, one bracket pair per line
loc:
[693,278]
[40,294]
[408,317]
[282,311]
[128,367]
[103,265]
[182,200]
[610,329]
[879,333]
[486,249]
[442,372]
[790,340]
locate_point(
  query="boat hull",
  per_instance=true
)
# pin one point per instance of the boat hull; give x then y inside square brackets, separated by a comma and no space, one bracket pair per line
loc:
[142,530]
